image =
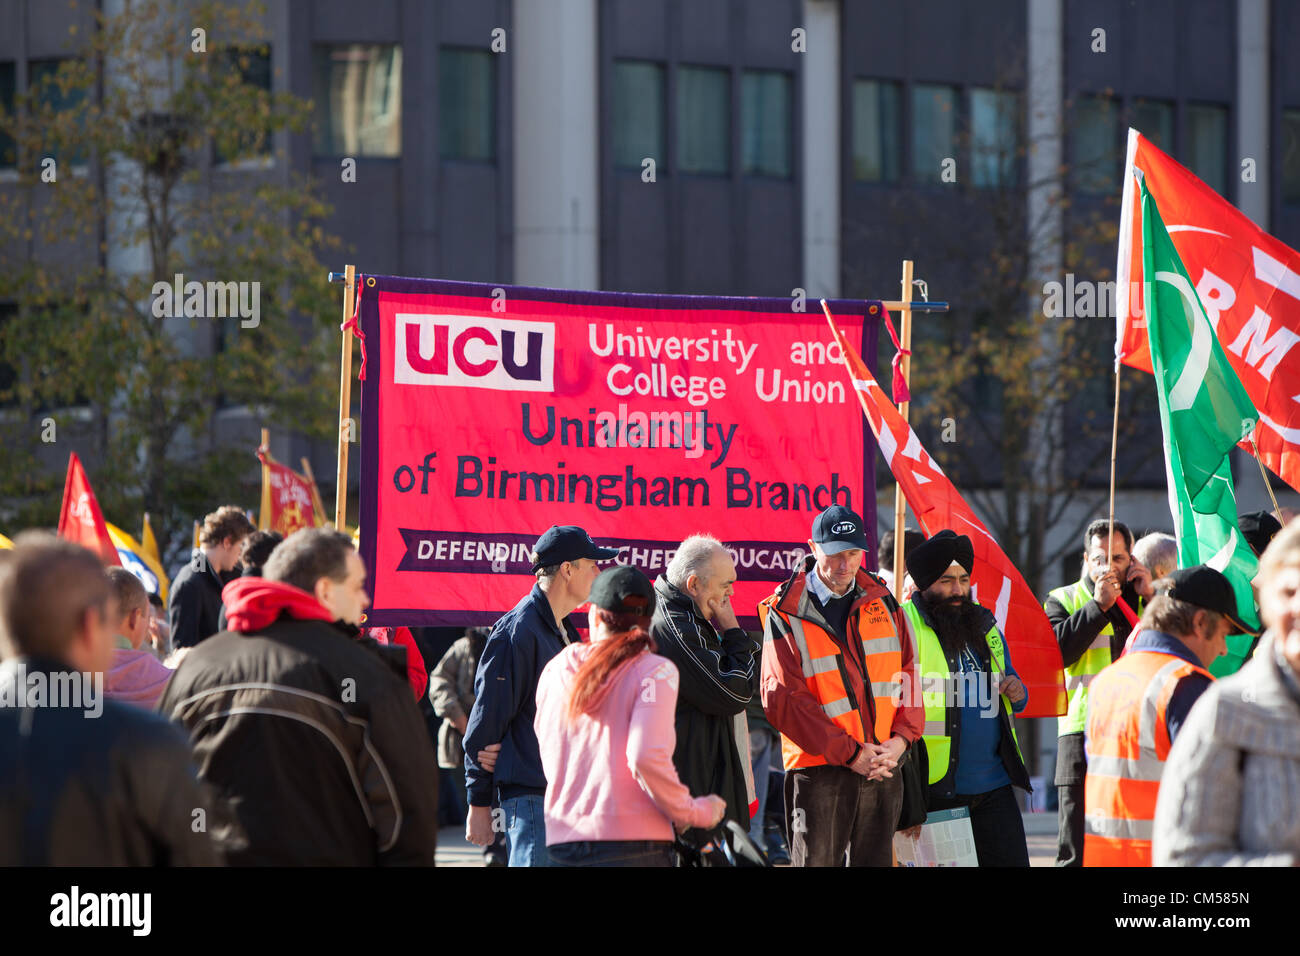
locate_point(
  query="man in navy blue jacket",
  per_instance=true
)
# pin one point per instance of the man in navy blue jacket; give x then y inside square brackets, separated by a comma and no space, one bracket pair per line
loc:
[505,691]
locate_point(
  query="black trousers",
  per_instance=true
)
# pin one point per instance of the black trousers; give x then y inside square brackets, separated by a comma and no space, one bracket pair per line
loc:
[1069,845]
[996,824]
[832,811]
[1071,771]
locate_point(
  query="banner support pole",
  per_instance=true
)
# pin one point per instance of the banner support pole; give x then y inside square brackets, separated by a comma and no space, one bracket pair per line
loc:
[1268,485]
[900,503]
[345,402]
[1114,443]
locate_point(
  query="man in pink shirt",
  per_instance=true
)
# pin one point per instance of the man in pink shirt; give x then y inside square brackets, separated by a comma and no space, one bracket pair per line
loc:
[605,723]
[135,676]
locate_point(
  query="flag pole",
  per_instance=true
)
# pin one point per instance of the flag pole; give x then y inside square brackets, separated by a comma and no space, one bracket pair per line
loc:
[345,402]
[1114,442]
[1268,485]
[900,503]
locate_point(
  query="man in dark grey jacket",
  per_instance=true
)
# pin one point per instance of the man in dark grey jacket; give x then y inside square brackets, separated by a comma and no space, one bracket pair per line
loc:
[716,668]
[84,781]
[310,737]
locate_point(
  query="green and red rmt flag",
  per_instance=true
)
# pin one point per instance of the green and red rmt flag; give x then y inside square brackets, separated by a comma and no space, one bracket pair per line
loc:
[1248,284]
[80,519]
[1204,412]
[937,504]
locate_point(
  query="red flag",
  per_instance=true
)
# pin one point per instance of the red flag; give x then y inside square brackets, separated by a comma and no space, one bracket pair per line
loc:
[1247,281]
[287,498]
[80,519]
[937,505]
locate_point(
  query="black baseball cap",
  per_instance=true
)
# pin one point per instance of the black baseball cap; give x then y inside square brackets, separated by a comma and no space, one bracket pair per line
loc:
[1258,528]
[838,529]
[1204,587]
[624,590]
[563,543]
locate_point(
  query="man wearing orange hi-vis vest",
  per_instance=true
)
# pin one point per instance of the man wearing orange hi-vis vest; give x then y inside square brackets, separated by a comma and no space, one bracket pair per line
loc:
[1138,704]
[836,654]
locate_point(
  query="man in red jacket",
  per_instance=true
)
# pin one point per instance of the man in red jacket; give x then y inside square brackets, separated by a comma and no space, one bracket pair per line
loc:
[835,653]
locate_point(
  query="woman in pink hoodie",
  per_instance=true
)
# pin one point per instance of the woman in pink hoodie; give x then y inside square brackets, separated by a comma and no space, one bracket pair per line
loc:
[605,714]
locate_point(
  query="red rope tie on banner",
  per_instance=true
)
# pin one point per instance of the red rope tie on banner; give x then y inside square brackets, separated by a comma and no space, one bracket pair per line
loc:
[354,327]
[901,392]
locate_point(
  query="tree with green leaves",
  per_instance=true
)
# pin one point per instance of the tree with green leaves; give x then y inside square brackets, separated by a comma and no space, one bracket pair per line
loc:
[145,164]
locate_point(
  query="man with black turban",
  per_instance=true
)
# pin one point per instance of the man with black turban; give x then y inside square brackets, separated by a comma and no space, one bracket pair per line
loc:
[970,691]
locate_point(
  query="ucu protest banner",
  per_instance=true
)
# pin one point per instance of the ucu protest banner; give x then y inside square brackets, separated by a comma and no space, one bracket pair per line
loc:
[490,413]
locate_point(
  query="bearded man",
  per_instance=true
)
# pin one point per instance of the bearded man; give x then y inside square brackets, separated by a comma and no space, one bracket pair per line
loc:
[970,691]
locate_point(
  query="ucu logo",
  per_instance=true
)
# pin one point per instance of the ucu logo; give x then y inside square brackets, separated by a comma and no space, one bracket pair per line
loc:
[475,351]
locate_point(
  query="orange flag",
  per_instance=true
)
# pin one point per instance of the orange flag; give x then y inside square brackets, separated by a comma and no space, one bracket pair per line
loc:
[80,519]
[937,505]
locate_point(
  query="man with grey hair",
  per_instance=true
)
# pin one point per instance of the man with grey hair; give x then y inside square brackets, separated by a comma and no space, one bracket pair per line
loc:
[695,627]
[1157,552]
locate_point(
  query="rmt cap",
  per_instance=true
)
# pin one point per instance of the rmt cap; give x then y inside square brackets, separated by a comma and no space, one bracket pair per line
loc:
[838,529]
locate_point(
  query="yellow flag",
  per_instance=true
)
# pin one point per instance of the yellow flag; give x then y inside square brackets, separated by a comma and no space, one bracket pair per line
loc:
[5,542]
[148,541]
[138,562]
[196,534]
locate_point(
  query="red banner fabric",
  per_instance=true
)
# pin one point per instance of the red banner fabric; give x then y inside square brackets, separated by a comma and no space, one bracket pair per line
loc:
[1247,282]
[292,503]
[80,519]
[937,504]
[491,413]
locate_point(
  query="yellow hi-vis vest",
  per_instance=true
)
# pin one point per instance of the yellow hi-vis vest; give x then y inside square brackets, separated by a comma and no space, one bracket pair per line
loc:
[936,679]
[1079,675]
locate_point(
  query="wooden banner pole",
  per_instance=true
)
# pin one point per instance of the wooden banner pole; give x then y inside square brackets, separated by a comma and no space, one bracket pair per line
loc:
[1268,485]
[900,503]
[345,403]
[1114,444]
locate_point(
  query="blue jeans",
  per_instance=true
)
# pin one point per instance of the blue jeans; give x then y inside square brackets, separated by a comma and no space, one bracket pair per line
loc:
[762,745]
[613,853]
[525,831]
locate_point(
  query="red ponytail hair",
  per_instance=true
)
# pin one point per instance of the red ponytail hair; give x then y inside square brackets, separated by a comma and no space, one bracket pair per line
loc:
[628,637]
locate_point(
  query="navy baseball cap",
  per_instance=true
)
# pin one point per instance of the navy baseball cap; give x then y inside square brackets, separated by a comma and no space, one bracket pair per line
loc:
[1205,587]
[563,543]
[624,590]
[838,529]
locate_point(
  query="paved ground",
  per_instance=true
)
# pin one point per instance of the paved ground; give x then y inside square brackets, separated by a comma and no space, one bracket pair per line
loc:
[1040,830]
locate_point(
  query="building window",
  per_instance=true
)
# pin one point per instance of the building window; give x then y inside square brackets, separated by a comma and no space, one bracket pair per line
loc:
[1291,156]
[994,137]
[638,113]
[1207,144]
[8,153]
[1095,166]
[43,82]
[876,125]
[934,126]
[467,104]
[252,67]
[1154,119]
[358,94]
[703,120]
[765,120]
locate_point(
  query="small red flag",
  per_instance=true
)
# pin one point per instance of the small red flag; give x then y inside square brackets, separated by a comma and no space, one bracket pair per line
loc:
[80,519]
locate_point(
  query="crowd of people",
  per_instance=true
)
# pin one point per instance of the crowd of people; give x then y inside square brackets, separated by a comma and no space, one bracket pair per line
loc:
[257,720]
